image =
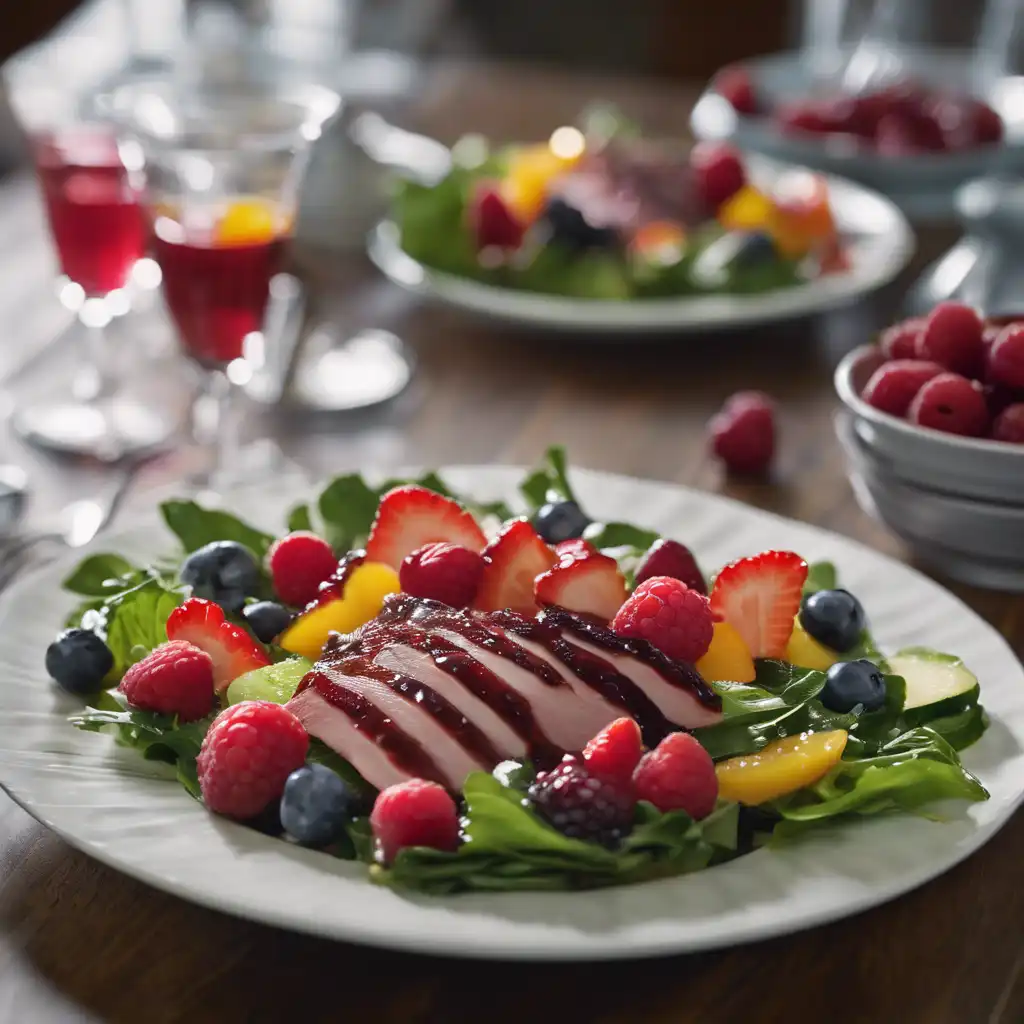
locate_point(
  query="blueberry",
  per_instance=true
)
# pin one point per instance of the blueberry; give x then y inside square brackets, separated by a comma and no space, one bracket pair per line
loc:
[315,805]
[267,619]
[569,227]
[755,248]
[850,683]
[79,661]
[223,571]
[834,618]
[560,520]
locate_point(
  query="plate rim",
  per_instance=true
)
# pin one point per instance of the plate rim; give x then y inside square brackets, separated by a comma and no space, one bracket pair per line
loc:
[658,945]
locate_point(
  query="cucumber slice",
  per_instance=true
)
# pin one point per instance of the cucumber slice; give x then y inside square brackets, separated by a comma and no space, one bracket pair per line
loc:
[276,683]
[937,684]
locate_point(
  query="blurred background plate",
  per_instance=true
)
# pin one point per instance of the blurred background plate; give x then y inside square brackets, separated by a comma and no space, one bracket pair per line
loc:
[880,242]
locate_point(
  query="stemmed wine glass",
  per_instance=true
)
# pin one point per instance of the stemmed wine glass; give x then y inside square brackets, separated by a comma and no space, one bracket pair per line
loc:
[222,167]
[96,220]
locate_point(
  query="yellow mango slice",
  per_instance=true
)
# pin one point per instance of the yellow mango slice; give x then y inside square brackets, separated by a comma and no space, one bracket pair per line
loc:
[748,210]
[728,658]
[364,594]
[805,651]
[529,172]
[782,767]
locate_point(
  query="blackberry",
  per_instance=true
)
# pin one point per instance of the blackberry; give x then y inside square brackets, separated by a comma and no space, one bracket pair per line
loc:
[581,805]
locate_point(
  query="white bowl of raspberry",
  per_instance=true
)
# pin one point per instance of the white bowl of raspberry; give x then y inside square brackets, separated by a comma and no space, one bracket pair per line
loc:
[941,400]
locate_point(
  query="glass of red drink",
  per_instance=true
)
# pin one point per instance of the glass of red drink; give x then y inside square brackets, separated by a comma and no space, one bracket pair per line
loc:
[93,205]
[222,169]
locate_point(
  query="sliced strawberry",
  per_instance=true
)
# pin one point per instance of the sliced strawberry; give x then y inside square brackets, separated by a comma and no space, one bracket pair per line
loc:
[760,596]
[592,585]
[410,517]
[512,561]
[575,548]
[233,651]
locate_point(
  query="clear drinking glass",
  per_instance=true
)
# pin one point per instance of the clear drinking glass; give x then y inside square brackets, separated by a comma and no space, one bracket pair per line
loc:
[222,169]
[96,220]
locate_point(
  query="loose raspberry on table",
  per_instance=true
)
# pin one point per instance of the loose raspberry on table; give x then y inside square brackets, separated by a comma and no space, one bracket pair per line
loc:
[678,775]
[615,751]
[174,679]
[893,385]
[247,756]
[442,572]
[743,433]
[670,558]
[951,336]
[298,564]
[951,403]
[582,805]
[414,813]
[671,616]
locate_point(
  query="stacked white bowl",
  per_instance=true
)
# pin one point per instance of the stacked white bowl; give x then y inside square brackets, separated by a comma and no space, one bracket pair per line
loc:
[958,502]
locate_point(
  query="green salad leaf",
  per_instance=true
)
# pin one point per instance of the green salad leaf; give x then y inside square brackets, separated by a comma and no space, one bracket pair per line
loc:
[820,576]
[195,526]
[101,575]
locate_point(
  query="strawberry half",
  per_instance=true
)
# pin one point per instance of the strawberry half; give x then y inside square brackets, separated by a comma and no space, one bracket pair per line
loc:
[512,561]
[590,585]
[759,597]
[410,517]
[233,651]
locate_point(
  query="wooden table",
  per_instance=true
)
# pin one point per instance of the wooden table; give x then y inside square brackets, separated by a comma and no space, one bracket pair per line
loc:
[79,941]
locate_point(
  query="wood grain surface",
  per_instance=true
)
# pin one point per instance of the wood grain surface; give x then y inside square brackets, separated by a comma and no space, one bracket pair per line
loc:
[80,942]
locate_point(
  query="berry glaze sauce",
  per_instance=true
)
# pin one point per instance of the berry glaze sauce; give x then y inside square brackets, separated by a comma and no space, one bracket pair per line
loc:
[418,623]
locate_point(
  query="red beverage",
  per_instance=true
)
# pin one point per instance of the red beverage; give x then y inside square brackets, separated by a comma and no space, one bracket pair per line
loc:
[216,283]
[95,216]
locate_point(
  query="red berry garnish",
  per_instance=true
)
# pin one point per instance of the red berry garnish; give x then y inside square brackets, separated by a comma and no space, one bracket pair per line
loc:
[1009,424]
[951,336]
[247,756]
[174,679]
[899,341]
[671,616]
[670,558]
[442,572]
[493,223]
[718,172]
[583,805]
[577,547]
[736,86]
[678,775]
[615,751]
[1005,363]
[892,386]
[298,564]
[414,813]
[951,403]
[743,433]
[804,117]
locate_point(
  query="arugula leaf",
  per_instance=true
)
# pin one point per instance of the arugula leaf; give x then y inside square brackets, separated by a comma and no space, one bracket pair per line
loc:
[549,481]
[820,576]
[615,535]
[299,518]
[101,575]
[195,526]
[347,506]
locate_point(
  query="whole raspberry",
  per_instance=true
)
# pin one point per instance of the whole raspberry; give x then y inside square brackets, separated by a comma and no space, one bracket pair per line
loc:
[1009,424]
[582,805]
[298,564]
[678,775]
[1005,364]
[743,433]
[899,341]
[951,403]
[892,386]
[247,756]
[671,616]
[414,813]
[174,679]
[951,336]
[492,222]
[735,85]
[670,558]
[442,572]
[615,751]
[718,172]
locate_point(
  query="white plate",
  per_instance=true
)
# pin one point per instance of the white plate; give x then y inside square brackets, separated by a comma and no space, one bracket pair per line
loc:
[125,812]
[879,240]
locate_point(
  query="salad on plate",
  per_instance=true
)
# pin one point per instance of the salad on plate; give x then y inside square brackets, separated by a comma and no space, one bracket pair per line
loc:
[466,699]
[606,214]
